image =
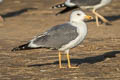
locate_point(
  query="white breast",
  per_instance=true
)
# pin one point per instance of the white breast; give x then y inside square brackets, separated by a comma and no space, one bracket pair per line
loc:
[82,31]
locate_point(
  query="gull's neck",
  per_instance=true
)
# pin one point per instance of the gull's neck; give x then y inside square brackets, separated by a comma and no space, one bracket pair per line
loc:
[81,26]
[77,23]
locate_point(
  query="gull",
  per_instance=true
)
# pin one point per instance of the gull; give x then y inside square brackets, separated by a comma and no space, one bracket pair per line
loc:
[61,37]
[85,4]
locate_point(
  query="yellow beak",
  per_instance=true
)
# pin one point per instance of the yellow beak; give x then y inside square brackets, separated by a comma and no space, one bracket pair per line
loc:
[88,17]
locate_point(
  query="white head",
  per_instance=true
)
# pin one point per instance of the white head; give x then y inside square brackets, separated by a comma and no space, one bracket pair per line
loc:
[78,16]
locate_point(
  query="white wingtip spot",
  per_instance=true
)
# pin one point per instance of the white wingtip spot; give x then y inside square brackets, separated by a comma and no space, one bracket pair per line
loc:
[63,5]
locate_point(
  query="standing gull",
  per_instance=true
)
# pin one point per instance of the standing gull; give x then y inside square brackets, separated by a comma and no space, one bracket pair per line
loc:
[85,4]
[62,37]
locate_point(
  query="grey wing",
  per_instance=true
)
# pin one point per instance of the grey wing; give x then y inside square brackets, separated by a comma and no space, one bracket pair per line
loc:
[86,2]
[57,36]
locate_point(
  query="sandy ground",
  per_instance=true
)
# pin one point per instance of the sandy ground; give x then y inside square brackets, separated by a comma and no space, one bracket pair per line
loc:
[98,57]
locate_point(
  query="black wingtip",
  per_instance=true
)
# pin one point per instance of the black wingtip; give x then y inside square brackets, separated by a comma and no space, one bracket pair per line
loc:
[15,49]
[18,49]
[67,9]
[58,6]
[21,47]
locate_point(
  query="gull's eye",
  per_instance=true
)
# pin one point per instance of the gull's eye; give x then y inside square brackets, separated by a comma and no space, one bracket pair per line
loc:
[78,14]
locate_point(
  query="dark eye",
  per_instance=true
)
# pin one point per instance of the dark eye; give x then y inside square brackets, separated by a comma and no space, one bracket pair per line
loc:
[78,14]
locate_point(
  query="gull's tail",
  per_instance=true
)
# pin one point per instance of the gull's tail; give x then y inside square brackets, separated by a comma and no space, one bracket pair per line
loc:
[59,6]
[21,47]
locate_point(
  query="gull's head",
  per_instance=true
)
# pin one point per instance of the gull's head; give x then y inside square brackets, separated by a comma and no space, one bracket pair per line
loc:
[78,16]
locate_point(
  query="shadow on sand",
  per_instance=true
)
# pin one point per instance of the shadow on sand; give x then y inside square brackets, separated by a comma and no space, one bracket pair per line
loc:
[16,13]
[90,60]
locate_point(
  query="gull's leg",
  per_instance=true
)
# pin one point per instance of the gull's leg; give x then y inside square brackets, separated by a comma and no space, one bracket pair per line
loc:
[101,17]
[97,21]
[69,64]
[60,64]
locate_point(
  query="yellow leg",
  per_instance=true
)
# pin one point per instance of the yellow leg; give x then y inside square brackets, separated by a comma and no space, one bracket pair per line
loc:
[97,21]
[101,17]
[69,64]
[60,64]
